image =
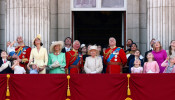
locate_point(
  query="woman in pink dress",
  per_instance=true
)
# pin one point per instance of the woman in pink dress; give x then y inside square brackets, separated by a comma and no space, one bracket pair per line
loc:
[160,55]
[151,66]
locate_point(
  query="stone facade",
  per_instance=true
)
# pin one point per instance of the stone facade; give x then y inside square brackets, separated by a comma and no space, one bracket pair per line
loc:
[145,19]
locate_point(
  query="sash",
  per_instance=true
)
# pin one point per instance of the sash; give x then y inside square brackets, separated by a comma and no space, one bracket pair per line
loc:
[112,54]
[22,50]
[75,62]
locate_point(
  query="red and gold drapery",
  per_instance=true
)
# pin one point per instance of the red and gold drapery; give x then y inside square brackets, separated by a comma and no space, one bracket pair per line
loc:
[89,87]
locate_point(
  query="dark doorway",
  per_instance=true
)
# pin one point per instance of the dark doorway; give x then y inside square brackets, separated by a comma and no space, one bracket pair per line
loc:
[96,27]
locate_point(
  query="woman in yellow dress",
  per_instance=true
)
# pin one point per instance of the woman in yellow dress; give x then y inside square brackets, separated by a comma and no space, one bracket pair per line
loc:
[39,55]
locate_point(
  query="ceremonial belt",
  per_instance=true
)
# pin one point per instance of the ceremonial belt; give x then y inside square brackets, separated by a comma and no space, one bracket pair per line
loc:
[114,63]
[74,66]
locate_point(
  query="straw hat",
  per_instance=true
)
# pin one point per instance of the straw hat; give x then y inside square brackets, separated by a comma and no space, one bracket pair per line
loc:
[61,43]
[94,47]
[38,36]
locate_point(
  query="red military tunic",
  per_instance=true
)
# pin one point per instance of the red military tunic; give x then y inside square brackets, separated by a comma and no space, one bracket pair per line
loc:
[71,56]
[23,53]
[115,64]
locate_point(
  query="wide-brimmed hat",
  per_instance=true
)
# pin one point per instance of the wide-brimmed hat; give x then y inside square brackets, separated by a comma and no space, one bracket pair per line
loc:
[38,36]
[94,47]
[61,43]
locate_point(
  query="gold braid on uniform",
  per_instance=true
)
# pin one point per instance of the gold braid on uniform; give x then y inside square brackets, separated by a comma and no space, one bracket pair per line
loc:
[75,55]
[108,53]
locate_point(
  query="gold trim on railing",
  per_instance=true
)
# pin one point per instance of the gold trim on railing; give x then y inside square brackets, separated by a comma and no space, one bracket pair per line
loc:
[68,88]
[8,91]
[128,90]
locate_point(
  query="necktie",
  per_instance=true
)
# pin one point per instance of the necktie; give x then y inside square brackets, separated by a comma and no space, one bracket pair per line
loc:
[4,61]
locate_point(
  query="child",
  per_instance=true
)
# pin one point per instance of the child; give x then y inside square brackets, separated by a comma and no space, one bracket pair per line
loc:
[151,66]
[136,56]
[10,48]
[170,66]
[34,69]
[17,68]
[137,68]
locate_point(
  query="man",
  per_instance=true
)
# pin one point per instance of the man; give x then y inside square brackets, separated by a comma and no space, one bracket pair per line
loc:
[114,58]
[74,60]
[23,52]
[128,44]
[146,53]
[68,44]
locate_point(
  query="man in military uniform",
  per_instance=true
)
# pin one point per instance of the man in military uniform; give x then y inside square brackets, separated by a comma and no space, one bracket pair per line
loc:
[22,52]
[74,60]
[114,58]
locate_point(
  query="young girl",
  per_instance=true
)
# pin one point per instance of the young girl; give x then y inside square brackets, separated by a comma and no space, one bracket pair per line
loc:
[151,66]
[17,68]
[137,67]
[170,66]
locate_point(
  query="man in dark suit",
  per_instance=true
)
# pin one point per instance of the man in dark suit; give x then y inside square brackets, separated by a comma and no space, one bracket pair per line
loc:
[146,53]
[68,44]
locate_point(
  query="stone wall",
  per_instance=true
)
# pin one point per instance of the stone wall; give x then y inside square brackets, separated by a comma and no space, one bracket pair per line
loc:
[2,24]
[161,21]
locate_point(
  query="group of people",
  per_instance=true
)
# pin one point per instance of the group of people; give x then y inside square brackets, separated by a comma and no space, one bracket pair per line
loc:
[74,58]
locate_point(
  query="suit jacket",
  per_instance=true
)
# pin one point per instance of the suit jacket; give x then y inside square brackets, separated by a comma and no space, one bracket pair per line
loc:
[146,53]
[63,50]
[7,70]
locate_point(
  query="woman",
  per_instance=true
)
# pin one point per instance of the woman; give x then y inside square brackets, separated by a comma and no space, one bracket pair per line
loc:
[171,50]
[93,64]
[131,55]
[160,55]
[57,60]
[39,54]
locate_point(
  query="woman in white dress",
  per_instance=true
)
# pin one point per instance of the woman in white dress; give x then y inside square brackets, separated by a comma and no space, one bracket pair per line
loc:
[93,63]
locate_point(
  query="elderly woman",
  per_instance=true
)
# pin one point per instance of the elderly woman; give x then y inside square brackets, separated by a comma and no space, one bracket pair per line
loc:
[93,64]
[57,60]
[160,55]
[39,54]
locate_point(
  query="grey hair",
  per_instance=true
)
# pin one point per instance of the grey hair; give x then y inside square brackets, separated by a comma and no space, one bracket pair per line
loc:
[112,38]
[76,41]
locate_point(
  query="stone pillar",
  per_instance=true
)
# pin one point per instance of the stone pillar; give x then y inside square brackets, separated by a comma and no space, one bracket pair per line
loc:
[27,18]
[2,24]
[132,21]
[53,20]
[161,21]
[63,19]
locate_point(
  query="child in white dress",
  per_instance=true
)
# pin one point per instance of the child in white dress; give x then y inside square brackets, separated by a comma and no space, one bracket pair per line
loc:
[137,67]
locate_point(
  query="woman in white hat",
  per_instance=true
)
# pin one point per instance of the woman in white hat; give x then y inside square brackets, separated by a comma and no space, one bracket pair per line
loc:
[57,60]
[39,55]
[93,63]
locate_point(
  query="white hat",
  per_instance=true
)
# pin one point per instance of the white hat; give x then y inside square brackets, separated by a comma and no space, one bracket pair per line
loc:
[94,47]
[82,45]
[61,43]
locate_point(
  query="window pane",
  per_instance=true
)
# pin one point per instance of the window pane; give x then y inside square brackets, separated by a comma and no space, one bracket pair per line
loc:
[84,3]
[112,3]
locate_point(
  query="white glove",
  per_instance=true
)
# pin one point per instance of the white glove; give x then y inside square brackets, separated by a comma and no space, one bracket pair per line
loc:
[94,72]
[55,64]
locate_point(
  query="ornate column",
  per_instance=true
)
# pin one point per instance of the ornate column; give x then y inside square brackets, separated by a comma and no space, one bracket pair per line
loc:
[27,18]
[161,21]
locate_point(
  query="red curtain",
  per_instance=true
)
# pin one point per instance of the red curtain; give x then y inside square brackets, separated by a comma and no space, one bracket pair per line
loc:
[89,87]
